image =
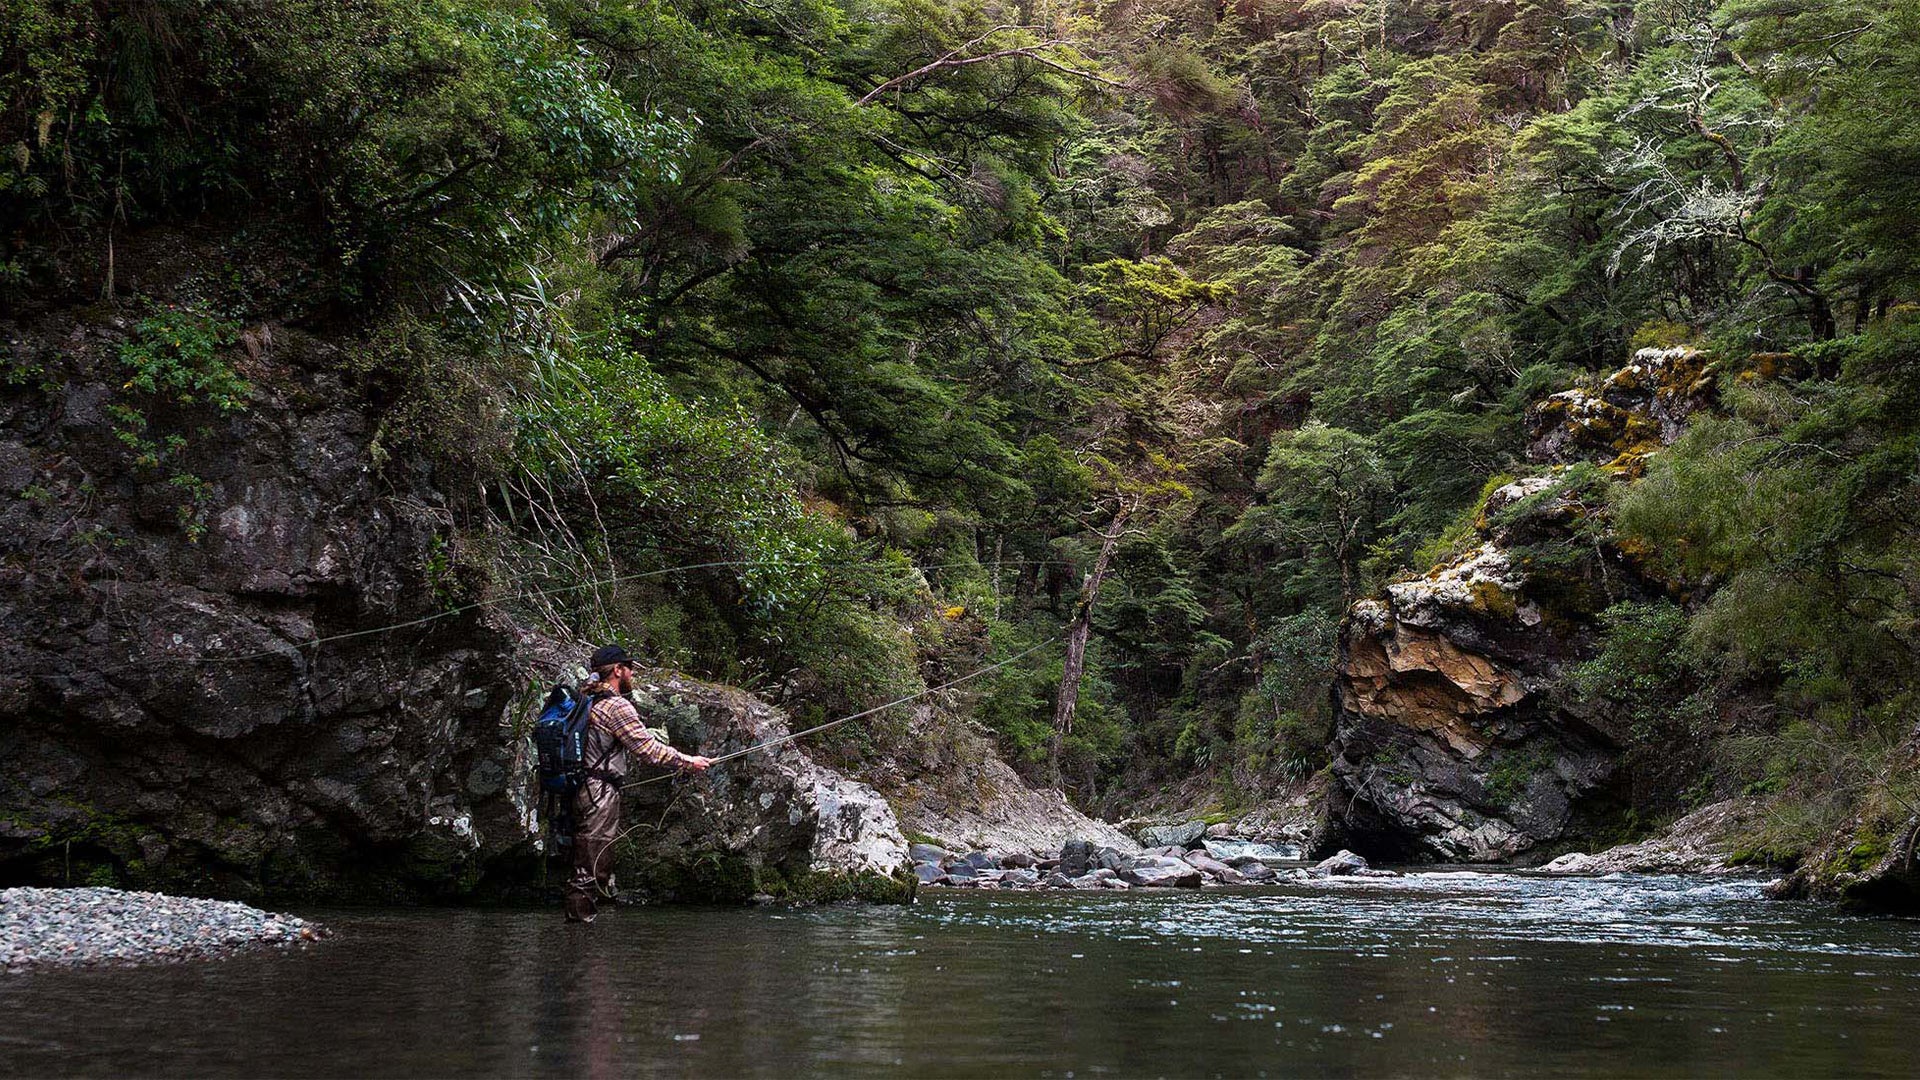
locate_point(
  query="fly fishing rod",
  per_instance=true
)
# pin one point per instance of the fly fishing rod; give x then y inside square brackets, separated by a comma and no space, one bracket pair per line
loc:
[770,743]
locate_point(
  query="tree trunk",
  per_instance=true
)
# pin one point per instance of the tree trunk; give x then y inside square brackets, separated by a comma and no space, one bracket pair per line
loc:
[1078,632]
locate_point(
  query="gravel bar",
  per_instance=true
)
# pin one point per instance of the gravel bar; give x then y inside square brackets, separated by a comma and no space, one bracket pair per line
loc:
[41,928]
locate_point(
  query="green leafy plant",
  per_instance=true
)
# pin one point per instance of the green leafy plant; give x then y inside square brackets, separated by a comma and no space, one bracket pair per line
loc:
[176,366]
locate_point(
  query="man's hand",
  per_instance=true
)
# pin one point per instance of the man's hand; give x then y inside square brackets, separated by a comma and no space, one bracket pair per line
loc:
[697,763]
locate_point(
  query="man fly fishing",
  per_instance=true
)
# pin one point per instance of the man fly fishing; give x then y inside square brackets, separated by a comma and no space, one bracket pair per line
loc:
[614,731]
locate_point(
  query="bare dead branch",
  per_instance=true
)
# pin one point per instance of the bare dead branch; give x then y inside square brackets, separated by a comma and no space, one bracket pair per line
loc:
[959,58]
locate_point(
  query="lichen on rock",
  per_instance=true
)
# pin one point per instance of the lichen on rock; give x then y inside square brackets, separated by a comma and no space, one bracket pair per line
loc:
[1626,416]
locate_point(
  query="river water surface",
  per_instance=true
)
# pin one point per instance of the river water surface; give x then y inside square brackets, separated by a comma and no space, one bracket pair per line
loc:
[1445,973]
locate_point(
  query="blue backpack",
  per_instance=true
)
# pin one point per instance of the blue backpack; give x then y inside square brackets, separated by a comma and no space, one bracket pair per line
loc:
[560,740]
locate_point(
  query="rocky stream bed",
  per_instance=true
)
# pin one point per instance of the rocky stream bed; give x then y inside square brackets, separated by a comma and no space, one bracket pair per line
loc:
[87,927]
[1183,856]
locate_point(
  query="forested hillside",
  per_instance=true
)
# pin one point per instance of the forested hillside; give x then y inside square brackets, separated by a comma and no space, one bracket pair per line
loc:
[1139,341]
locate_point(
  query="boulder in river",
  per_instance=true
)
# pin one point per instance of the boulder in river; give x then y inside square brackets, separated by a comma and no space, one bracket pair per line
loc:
[1214,868]
[1342,864]
[1156,872]
[929,873]
[981,860]
[1112,859]
[1181,836]
[1076,858]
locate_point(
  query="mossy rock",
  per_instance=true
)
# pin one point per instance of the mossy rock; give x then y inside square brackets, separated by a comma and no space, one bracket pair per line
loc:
[825,887]
[1491,599]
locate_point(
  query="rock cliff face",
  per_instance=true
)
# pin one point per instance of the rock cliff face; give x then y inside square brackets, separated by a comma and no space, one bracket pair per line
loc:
[1450,743]
[159,722]
[163,721]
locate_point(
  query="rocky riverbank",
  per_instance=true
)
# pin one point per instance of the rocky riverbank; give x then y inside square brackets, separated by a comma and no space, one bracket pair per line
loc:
[1703,842]
[1176,856]
[42,928]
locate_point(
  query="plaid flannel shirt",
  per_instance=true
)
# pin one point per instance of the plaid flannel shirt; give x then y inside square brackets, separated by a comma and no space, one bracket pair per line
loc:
[616,717]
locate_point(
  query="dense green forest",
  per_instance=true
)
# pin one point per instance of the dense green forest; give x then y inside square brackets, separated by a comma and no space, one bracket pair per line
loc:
[1136,340]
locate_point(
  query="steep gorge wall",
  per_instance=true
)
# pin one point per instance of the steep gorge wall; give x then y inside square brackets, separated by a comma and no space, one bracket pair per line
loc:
[158,720]
[1453,740]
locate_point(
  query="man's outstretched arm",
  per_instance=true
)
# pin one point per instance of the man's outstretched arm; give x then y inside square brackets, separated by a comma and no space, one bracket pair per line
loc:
[623,721]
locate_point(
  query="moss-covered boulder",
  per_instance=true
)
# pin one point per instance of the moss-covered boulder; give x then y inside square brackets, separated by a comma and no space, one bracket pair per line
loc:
[768,823]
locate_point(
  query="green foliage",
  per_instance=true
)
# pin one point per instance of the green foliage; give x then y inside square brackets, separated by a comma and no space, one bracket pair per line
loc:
[175,356]
[419,140]
[1459,535]
[1285,720]
[1265,295]
[1514,771]
[1324,486]
[1646,680]
[176,368]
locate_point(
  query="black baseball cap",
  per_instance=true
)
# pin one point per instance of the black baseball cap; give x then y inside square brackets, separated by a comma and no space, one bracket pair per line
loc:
[608,655]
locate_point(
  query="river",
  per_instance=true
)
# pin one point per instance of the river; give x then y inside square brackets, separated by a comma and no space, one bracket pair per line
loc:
[1433,973]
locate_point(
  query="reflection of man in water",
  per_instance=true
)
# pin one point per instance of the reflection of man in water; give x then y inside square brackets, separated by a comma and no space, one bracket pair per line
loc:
[614,730]
[600,1023]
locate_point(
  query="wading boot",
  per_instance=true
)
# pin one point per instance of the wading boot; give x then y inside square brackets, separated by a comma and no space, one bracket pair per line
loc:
[580,907]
